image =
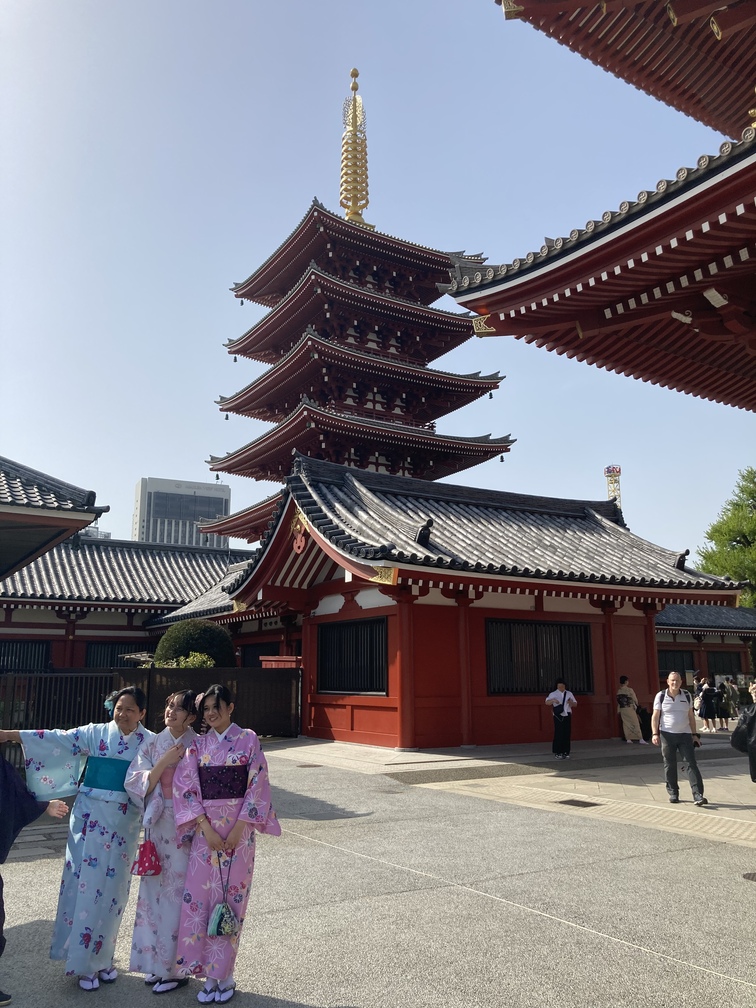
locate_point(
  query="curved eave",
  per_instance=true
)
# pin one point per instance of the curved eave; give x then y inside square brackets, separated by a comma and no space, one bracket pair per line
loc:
[317,220]
[248,524]
[306,423]
[695,199]
[304,364]
[295,310]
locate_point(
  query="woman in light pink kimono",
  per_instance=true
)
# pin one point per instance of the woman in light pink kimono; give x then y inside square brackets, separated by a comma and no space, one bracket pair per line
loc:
[221,789]
[149,783]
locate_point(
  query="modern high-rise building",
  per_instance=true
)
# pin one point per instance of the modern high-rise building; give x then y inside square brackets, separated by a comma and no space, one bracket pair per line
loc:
[171,511]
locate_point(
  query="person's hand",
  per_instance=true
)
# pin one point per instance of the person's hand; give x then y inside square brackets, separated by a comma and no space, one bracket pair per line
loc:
[57,809]
[213,840]
[173,756]
[234,837]
[654,740]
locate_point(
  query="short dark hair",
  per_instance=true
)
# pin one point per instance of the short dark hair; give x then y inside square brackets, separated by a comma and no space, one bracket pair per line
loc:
[136,694]
[623,680]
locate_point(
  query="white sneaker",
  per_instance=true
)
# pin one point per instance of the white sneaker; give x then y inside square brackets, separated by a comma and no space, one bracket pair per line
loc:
[643,742]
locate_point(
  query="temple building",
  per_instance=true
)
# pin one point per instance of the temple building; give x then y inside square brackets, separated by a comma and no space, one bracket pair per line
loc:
[422,613]
[664,287]
[349,337]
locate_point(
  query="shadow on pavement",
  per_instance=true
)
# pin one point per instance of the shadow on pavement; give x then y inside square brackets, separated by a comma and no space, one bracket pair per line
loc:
[291,805]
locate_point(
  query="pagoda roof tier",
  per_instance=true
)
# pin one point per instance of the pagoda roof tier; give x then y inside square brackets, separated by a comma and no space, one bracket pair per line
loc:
[249,524]
[663,290]
[316,237]
[357,441]
[697,57]
[328,372]
[312,301]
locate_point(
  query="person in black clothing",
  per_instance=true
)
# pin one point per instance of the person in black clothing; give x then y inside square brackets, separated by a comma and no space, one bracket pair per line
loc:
[20,808]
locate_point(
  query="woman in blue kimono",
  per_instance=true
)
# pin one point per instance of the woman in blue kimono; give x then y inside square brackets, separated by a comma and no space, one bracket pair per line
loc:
[103,834]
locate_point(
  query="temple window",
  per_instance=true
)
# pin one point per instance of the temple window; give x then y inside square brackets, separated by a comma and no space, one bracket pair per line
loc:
[529,657]
[353,657]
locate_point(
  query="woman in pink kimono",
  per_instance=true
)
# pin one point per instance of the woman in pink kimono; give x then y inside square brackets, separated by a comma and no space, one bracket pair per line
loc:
[149,783]
[221,789]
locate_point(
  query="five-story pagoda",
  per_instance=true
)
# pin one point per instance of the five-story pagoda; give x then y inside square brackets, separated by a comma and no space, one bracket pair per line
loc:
[349,336]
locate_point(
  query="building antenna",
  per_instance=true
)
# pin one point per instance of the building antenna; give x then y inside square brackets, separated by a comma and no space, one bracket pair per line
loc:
[613,473]
[353,192]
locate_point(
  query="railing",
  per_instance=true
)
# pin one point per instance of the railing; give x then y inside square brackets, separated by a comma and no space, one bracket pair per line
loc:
[267,700]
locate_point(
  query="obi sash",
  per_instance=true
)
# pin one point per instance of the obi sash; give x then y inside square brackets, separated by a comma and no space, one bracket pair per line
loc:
[218,782]
[105,773]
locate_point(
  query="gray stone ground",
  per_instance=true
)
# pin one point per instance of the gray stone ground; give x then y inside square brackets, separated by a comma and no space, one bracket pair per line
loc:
[400,880]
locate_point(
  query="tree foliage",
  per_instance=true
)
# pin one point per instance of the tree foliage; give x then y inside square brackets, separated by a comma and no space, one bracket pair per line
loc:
[200,636]
[733,537]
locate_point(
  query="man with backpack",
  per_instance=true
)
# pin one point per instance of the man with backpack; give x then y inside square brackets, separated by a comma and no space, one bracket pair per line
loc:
[674,728]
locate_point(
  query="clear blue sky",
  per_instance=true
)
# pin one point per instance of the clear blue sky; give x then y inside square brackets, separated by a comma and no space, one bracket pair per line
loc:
[155,153]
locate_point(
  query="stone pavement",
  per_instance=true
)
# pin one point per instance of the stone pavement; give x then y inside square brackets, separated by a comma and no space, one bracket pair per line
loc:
[461,878]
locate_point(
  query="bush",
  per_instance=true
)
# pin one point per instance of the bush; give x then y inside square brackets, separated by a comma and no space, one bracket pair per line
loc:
[195,635]
[194,660]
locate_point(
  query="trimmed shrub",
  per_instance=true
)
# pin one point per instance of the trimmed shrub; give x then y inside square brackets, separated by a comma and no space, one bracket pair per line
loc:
[201,636]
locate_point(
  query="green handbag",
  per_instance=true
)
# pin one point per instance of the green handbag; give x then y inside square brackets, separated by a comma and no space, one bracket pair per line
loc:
[223,922]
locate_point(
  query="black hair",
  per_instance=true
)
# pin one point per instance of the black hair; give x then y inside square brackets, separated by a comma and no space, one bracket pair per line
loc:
[556,684]
[623,680]
[186,701]
[217,692]
[136,694]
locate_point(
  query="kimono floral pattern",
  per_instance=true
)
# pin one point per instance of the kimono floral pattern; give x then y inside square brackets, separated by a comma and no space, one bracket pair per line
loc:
[197,953]
[102,839]
[158,909]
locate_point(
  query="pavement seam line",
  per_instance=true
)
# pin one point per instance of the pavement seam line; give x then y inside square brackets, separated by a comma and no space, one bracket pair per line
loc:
[527,909]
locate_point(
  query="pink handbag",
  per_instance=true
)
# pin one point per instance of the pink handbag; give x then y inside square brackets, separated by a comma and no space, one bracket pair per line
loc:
[147,861]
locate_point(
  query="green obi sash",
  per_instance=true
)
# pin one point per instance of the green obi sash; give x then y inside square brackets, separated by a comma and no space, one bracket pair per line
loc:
[105,773]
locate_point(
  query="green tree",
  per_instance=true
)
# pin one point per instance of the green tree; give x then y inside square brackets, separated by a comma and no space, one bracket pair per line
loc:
[195,635]
[733,537]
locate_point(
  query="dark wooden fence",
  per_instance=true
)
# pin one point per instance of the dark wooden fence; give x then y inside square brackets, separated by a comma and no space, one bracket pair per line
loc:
[267,700]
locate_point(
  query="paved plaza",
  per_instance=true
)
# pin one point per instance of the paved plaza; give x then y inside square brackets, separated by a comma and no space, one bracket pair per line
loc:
[463,878]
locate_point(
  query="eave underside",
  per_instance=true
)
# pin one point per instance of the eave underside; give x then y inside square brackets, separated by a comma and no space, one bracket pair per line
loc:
[685,66]
[332,307]
[677,308]
[349,442]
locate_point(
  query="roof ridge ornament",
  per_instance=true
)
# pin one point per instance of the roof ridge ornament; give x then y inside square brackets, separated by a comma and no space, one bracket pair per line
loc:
[353,191]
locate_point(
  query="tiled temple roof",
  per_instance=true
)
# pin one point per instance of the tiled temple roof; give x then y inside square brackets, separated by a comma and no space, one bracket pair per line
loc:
[21,486]
[109,572]
[212,602]
[371,516]
[708,618]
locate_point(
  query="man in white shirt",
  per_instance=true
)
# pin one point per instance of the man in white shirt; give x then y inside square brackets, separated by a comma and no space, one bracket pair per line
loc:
[674,728]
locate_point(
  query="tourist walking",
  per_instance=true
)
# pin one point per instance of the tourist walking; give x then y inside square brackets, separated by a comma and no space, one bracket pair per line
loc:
[103,832]
[723,705]
[221,790]
[561,701]
[149,783]
[627,706]
[674,728]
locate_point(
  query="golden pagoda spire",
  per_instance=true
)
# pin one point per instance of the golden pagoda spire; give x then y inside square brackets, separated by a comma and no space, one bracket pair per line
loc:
[353,192]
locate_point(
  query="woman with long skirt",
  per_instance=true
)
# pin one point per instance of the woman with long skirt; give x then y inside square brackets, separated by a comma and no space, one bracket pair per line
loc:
[103,831]
[149,782]
[221,789]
